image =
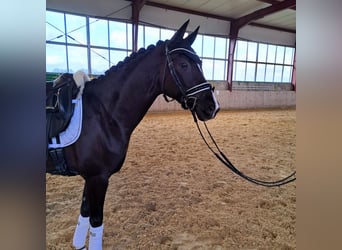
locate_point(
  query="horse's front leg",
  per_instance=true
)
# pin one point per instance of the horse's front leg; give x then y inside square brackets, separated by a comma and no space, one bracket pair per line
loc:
[96,192]
[82,227]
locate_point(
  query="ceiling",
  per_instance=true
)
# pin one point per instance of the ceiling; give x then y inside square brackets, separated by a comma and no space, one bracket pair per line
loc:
[284,20]
[262,13]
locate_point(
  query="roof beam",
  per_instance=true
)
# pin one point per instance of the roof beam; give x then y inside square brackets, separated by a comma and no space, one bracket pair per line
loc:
[136,7]
[272,27]
[193,12]
[274,2]
[244,20]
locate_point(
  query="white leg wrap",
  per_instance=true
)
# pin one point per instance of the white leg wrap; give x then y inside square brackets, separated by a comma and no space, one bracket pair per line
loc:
[95,238]
[81,232]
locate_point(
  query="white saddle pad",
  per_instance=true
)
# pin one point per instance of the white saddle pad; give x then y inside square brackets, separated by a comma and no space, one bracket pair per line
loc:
[73,131]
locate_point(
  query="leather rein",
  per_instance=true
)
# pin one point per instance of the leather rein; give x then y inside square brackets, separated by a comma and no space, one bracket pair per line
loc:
[224,159]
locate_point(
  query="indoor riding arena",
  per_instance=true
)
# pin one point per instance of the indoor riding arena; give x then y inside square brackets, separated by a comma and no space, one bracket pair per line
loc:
[172,192]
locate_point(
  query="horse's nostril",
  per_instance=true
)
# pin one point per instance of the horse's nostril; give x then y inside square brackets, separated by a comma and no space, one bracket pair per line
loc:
[212,108]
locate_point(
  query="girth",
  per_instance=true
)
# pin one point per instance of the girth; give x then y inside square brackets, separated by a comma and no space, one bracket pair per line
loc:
[58,159]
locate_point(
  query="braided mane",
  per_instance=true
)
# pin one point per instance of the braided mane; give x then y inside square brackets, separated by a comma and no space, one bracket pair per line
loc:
[133,58]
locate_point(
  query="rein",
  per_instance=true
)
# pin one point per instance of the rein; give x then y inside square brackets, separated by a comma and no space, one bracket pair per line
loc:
[189,95]
[224,159]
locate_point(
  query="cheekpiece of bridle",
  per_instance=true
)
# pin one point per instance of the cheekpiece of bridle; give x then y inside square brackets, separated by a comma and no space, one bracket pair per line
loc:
[187,94]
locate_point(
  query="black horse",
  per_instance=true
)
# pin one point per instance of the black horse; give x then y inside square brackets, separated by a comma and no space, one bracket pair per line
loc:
[115,103]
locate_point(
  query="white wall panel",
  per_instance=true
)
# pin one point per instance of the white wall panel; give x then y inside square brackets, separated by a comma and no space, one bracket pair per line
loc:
[173,20]
[100,8]
[238,100]
[267,35]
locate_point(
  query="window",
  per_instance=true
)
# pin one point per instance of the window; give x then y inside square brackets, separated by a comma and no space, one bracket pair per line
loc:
[141,36]
[219,70]
[241,50]
[269,73]
[271,53]
[208,46]
[289,55]
[152,36]
[198,45]
[252,51]
[166,34]
[78,59]
[260,75]
[207,66]
[68,48]
[287,73]
[240,71]
[250,72]
[211,50]
[278,72]
[98,32]
[117,56]
[56,58]
[99,61]
[119,35]
[220,47]
[76,29]
[262,52]
[280,54]
[79,42]
[55,27]
[259,62]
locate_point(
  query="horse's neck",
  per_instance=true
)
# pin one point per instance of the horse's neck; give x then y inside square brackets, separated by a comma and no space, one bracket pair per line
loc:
[136,98]
[134,92]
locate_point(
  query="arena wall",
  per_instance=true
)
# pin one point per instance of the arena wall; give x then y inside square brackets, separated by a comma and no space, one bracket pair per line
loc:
[243,96]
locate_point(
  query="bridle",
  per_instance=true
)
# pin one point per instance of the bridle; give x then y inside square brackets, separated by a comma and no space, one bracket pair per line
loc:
[187,94]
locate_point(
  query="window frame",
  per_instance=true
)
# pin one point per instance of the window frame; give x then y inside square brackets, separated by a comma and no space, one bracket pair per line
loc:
[90,47]
[212,73]
[266,62]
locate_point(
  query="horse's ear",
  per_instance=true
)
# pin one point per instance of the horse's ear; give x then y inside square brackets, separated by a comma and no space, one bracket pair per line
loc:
[191,38]
[180,32]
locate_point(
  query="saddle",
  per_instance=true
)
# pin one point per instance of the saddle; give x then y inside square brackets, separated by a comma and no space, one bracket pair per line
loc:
[59,106]
[59,111]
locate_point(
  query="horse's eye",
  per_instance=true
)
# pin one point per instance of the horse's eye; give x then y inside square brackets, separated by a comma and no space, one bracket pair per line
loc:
[184,65]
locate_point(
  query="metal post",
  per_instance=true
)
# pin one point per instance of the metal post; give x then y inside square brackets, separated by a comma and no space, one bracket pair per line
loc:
[293,81]
[136,7]
[232,43]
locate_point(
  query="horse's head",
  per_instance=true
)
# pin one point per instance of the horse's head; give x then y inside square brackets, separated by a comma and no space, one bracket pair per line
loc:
[184,80]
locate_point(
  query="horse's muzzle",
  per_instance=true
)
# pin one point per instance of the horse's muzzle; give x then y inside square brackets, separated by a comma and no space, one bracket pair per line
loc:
[216,106]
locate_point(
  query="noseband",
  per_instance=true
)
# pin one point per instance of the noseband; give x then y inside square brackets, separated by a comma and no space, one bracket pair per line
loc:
[187,94]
